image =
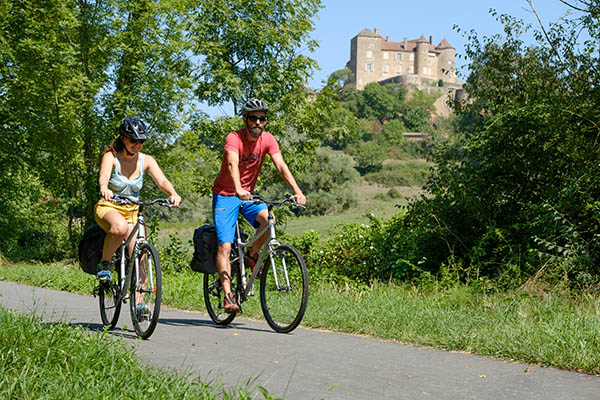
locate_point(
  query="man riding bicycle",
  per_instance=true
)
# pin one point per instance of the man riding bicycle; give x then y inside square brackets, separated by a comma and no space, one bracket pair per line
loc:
[243,157]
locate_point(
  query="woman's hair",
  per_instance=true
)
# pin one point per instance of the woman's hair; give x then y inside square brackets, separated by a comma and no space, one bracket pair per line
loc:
[116,146]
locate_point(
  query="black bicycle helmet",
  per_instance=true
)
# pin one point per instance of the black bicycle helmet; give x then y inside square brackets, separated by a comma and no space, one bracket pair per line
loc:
[254,105]
[133,128]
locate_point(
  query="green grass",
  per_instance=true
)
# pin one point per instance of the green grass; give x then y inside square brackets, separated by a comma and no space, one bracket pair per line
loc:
[56,361]
[550,330]
[368,203]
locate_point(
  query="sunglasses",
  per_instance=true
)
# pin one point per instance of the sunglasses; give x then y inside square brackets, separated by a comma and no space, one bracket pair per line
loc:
[255,118]
[135,141]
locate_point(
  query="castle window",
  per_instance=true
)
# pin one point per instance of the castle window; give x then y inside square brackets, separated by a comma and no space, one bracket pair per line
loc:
[399,69]
[369,67]
[412,57]
[411,69]
[369,54]
[399,56]
[385,69]
[385,55]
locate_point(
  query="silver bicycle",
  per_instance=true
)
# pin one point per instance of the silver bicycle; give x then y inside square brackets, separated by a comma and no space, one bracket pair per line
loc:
[283,278]
[137,279]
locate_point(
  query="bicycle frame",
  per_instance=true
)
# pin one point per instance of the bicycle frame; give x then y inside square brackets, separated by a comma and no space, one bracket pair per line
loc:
[139,229]
[266,248]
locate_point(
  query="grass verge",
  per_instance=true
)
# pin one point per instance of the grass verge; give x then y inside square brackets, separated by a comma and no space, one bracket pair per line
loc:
[56,361]
[550,330]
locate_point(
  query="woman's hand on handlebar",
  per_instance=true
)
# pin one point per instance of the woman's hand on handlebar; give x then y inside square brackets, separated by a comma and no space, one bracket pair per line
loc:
[106,194]
[175,200]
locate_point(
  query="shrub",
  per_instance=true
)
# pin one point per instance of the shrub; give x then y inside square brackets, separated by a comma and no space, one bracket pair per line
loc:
[401,173]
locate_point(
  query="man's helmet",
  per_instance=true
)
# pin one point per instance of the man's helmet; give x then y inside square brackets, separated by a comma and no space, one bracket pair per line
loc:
[254,105]
[133,128]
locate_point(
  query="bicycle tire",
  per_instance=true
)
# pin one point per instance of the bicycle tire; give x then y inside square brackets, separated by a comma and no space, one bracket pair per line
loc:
[148,285]
[284,305]
[107,293]
[213,296]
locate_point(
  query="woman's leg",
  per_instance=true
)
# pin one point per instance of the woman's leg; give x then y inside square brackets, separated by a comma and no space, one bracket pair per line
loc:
[118,231]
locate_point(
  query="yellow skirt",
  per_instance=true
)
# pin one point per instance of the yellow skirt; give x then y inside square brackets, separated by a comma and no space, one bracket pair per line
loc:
[127,211]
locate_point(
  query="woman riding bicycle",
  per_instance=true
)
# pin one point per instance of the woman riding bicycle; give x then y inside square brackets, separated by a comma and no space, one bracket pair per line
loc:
[121,173]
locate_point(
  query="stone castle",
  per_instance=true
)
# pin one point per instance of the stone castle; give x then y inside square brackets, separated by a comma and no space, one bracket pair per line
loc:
[414,63]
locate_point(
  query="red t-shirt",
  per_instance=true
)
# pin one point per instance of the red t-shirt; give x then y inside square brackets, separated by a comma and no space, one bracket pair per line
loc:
[252,155]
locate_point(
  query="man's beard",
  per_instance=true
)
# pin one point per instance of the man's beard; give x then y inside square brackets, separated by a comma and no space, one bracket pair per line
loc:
[255,132]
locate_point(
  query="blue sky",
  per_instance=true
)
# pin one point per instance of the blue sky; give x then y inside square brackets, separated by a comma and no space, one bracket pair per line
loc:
[340,20]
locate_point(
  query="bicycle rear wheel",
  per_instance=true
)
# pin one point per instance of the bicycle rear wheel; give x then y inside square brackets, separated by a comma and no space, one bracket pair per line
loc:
[284,289]
[108,292]
[146,291]
[213,296]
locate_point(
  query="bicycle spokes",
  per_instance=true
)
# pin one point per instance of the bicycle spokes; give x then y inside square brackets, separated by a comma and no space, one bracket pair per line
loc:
[146,293]
[284,289]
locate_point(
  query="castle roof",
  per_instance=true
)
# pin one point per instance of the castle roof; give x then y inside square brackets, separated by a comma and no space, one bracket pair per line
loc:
[407,45]
[369,33]
[444,45]
[410,45]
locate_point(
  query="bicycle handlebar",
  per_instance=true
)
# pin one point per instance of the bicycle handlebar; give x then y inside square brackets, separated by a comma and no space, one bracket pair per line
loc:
[256,199]
[126,200]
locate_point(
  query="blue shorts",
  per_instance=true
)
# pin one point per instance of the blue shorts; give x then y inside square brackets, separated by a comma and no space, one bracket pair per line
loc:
[225,214]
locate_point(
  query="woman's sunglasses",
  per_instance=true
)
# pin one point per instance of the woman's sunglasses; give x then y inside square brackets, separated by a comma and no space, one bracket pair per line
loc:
[134,141]
[255,118]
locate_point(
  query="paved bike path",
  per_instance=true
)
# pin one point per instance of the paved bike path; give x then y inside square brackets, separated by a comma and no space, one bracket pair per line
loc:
[311,364]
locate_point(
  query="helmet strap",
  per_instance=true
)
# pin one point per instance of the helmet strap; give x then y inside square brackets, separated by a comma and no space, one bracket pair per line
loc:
[128,152]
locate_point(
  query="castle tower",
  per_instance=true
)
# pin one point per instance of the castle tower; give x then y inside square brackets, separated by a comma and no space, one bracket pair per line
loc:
[365,57]
[422,51]
[446,64]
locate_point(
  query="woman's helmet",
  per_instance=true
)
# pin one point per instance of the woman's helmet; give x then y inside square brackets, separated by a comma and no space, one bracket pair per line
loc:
[254,105]
[133,128]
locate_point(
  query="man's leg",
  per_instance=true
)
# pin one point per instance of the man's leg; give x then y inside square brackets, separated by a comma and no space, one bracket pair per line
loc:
[223,266]
[224,270]
[225,213]
[262,221]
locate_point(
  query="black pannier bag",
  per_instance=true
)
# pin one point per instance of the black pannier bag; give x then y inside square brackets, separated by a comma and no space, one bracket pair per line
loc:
[205,250]
[90,249]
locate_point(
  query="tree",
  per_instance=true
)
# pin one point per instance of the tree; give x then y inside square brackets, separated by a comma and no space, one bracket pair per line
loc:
[377,102]
[521,190]
[252,49]
[71,71]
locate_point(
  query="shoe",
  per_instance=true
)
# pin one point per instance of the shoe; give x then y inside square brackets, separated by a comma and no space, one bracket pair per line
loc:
[103,274]
[250,261]
[230,304]
[143,312]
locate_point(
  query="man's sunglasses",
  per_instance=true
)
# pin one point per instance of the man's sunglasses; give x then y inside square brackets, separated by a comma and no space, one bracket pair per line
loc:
[134,141]
[255,118]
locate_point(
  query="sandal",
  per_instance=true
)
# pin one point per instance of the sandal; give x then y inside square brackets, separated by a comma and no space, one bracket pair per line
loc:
[230,304]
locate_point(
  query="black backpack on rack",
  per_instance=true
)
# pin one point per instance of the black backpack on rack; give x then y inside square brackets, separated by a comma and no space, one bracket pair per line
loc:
[205,250]
[90,249]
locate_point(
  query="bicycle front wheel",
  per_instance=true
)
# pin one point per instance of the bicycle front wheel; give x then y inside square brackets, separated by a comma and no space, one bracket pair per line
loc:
[146,291]
[284,289]
[213,296]
[108,292]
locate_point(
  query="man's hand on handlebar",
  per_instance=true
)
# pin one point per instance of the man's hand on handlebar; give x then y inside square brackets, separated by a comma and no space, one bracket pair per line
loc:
[243,194]
[300,198]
